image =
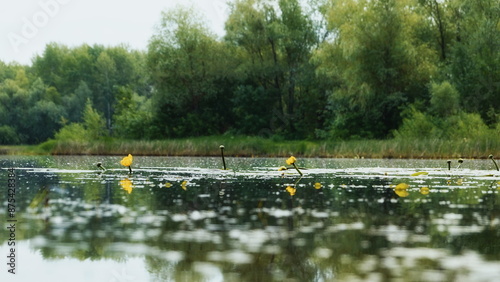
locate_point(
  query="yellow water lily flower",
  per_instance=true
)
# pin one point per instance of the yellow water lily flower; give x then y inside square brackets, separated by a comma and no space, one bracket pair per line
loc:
[402,186]
[291,160]
[168,185]
[317,185]
[401,191]
[291,190]
[127,185]
[184,185]
[424,190]
[127,161]
[282,168]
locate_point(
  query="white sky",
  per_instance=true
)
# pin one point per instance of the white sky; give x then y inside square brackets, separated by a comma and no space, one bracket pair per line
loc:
[26,26]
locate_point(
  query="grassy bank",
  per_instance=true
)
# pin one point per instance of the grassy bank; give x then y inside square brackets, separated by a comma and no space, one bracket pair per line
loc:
[260,147]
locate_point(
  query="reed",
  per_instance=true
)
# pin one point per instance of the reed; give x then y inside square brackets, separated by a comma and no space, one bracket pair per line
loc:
[242,146]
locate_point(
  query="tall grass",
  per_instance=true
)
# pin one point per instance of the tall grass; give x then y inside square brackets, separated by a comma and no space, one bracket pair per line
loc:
[260,147]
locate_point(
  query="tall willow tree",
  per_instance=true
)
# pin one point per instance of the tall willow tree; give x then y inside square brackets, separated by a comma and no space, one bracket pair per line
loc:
[440,25]
[475,64]
[275,40]
[106,71]
[379,61]
[188,66]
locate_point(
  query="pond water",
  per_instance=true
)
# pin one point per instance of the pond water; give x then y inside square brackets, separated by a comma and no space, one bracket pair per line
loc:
[185,219]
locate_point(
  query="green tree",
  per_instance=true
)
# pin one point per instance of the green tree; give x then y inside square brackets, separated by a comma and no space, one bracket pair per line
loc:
[48,66]
[16,102]
[189,68]
[380,63]
[75,102]
[439,28]
[275,41]
[94,72]
[106,74]
[445,99]
[133,117]
[93,122]
[93,127]
[44,120]
[475,64]
[8,135]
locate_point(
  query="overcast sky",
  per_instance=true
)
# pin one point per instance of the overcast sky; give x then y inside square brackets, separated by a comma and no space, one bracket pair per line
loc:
[26,26]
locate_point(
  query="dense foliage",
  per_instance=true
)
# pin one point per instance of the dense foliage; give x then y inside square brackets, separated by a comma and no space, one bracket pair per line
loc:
[287,69]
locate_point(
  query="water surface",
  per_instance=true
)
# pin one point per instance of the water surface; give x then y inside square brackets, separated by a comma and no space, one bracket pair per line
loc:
[185,219]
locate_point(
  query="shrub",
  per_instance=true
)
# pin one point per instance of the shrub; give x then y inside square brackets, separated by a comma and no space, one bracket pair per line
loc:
[465,125]
[73,131]
[416,125]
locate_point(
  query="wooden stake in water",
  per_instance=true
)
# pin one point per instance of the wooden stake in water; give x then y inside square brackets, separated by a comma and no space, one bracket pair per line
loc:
[222,155]
[491,157]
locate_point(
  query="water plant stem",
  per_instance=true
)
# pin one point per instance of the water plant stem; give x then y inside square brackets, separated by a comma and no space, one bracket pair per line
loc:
[298,180]
[295,166]
[496,165]
[130,169]
[222,155]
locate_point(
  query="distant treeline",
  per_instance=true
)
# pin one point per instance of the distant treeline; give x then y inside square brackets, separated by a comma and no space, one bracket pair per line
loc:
[286,69]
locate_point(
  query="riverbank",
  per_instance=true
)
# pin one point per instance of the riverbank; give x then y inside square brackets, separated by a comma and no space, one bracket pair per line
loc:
[260,147]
